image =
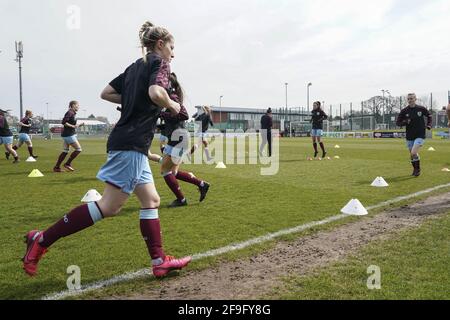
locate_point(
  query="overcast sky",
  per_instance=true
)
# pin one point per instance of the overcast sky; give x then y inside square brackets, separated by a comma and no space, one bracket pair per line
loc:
[244,50]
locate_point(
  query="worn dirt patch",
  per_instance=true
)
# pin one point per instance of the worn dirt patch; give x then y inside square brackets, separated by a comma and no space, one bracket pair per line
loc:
[250,278]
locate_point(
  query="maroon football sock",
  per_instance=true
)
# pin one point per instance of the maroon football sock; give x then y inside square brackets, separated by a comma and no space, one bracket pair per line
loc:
[72,157]
[75,221]
[172,183]
[151,232]
[315,147]
[61,158]
[322,147]
[15,147]
[187,177]
[30,151]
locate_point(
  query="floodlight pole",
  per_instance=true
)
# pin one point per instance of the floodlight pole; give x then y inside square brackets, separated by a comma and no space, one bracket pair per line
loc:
[19,56]
[286,85]
[307,94]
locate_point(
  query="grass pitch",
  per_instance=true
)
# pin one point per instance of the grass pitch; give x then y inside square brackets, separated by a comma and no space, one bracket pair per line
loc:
[241,205]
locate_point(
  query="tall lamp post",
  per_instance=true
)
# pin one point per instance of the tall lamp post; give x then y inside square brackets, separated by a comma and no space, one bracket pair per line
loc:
[19,56]
[220,110]
[286,85]
[307,94]
[48,120]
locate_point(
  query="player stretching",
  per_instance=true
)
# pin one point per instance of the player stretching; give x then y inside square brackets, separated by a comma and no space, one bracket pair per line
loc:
[141,89]
[317,117]
[414,117]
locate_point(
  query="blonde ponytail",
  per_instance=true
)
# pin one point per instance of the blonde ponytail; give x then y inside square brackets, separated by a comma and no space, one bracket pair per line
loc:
[149,35]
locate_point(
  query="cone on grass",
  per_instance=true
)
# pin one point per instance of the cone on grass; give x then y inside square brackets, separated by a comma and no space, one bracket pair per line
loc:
[31,159]
[446,170]
[91,196]
[379,182]
[431,149]
[221,165]
[337,157]
[35,174]
[337,146]
[354,208]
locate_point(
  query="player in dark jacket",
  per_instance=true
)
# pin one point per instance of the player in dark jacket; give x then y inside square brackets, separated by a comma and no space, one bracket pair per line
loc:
[266,132]
[414,118]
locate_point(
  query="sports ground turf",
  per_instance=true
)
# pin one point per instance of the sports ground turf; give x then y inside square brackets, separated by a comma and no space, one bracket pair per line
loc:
[241,205]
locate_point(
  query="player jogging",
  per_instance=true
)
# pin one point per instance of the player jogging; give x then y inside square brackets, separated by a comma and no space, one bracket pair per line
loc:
[25,126]
[69,138]
[6,137]
[141,90]
[176,148]
[414,117]
[317,117]
[205,120]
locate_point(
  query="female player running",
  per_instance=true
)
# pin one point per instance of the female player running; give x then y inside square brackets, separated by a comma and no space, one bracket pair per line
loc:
[141,89]
[69,137]
[317,117]
[6,137]
[25,125]
[205,119]
[151,156]
[414,117]
[176,148]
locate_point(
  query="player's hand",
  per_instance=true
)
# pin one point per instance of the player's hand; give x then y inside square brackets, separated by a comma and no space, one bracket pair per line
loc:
[175,108]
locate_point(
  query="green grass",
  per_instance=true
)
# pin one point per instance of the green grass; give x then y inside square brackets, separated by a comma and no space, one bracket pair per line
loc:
[241,205]
[413,265]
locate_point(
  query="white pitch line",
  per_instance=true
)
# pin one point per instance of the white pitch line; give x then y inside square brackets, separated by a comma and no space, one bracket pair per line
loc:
[237,246]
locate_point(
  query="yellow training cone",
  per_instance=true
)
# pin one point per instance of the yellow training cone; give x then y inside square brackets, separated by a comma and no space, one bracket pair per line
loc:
[35,174]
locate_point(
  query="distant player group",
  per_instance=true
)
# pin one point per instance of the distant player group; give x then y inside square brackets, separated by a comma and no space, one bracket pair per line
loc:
[147,91]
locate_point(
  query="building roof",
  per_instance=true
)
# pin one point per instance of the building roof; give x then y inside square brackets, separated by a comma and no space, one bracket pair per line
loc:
[251,110]
[91,122]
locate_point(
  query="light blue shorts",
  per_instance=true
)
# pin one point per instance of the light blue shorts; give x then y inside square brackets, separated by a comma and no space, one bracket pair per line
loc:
[24,137]
[174,151]
[202,135]
[126,170]
[6,140]
[163,138]
[316,132]
[71,139]
[411,143]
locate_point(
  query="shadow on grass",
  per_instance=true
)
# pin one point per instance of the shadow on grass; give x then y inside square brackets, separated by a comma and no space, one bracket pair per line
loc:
[70,180]
[293,160]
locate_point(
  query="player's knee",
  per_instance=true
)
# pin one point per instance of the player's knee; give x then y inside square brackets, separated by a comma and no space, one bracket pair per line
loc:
[155,201]
[66,150]
[111,210]
[78,149]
